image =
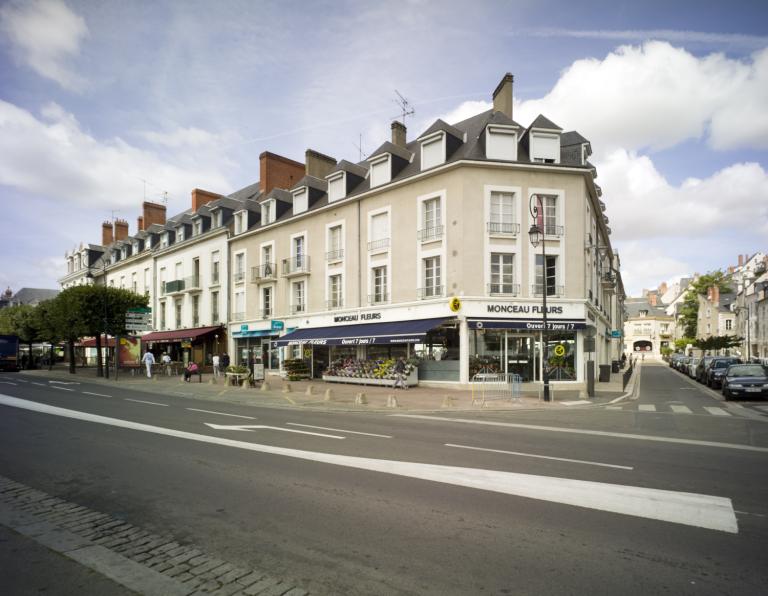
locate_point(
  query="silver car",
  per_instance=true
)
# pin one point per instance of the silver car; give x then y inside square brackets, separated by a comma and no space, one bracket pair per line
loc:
[692,367]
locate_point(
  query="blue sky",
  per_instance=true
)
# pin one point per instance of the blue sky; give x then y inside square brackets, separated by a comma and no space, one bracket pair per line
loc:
[105,103]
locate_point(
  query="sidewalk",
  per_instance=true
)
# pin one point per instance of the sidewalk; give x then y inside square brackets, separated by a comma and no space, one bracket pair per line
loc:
[322,396]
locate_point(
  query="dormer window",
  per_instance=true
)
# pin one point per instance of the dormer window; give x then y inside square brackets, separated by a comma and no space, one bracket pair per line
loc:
[180,233]
[381,170]
[545,147]
[267,212]
[239,222]
[337,187]
[198,227]
[164,240]
[501,143]
[216,219]
[123,252]
[300,201]
[433,151]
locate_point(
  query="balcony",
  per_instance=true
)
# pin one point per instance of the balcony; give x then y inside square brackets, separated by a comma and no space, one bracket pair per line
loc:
[173,287]
[298,308]
[334,255]
[238,277]
[429,292]
[552,290]
[497,228]
[214,278]
[334,303]
[266,313]
[496,289]
[298,265]
[378,245]
[238,316]
[191,283]
[556,231]
[430,234]
[608,283]
[263,273]
[378,298]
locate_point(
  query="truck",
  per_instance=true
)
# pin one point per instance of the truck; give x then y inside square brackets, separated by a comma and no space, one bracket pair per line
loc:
[9,353]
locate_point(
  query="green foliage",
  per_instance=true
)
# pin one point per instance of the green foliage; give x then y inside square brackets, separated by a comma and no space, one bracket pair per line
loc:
[690,310]
[296,369]
[682,343]
[718,342]
[666,351]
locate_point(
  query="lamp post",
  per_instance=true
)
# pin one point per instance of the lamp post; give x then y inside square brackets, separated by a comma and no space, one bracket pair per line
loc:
[106,332]
[536,235]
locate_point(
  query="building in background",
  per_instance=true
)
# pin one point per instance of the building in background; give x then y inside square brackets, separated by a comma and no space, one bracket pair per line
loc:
[648,329]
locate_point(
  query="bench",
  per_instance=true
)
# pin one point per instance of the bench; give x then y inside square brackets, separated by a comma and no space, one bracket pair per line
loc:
[198,372]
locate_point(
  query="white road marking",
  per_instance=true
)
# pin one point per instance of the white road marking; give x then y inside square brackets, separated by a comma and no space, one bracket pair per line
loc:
[614,407]
[249,427]
[60,388]
[596,433]
[8,383]
[763,408]
[575,403]
[574,461]
[704,511]
[220,413]
[140,401]
[63,382]
[40,384]
[338,430]
[717,411]
[96,394]
[646,408]
[681,409]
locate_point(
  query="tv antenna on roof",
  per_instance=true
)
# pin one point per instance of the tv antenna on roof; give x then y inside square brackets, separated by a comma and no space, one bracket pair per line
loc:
[359,145]
[405,107]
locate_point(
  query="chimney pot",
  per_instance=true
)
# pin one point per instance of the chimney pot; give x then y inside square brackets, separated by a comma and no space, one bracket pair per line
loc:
[317,164]
[276,171]
[107,233]
[140,223]
[741,260]
[154,213]
[399,134]
[502,95]
[121,229]
[200,197]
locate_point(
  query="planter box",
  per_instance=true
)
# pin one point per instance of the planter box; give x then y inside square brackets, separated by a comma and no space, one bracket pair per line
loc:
[411,380]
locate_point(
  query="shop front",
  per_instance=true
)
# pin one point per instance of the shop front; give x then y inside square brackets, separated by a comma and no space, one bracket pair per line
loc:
[255,344]
[185,345]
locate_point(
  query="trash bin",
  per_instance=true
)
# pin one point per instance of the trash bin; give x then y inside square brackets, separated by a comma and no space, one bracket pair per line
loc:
[615,366]
[605,373]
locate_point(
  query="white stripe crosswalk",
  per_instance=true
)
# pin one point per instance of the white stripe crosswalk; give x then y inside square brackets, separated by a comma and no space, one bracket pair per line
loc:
[722,412]
[681,409]
[646,408]
[717,411]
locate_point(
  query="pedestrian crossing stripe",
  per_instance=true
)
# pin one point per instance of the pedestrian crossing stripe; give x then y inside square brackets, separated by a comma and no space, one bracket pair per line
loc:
[646,408]
[681,409]
[717,411]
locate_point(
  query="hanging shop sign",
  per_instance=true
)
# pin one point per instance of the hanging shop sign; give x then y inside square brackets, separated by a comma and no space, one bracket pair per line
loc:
[455,304]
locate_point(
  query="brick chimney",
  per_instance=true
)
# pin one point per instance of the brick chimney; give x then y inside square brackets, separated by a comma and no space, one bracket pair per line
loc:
[318,165]
[713,295]
[107,233]
[140,223]
[399,134]
[741,260]
[154,213]
[121,229]
[502,96]
[276,171]
[652,298]
[200,197]
[663,288]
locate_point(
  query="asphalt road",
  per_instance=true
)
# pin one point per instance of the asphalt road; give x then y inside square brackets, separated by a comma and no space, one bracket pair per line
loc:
[349,521]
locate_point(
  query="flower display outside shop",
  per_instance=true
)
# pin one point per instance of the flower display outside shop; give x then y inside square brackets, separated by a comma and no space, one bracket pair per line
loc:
[366,369]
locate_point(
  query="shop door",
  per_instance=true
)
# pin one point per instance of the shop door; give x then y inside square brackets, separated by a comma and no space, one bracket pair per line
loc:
[520,356]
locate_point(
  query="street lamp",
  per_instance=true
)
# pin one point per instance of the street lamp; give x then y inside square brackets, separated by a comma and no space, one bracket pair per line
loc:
[106,320]
[536,235]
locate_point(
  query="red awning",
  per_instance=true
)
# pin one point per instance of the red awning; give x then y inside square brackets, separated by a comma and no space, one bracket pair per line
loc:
[178,335]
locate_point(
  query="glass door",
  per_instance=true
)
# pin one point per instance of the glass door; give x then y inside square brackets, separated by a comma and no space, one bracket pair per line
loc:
[520,356]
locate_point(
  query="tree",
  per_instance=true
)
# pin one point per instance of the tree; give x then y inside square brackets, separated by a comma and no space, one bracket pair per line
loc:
[689,312]
[682,343]
[48,330]
[718,342]
[21,321]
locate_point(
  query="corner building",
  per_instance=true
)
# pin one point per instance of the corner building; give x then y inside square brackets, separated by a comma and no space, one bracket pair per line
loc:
[423,250]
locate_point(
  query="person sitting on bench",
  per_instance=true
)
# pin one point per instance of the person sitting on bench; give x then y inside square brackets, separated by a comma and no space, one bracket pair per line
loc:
[191,370]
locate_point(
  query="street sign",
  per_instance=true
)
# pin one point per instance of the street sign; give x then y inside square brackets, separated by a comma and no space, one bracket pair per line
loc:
[615,332]
[140,310]
[138,327]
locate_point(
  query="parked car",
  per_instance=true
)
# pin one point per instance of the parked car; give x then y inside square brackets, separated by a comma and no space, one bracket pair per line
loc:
[691,369]
[745,381]
[701,368]
[680,362]
[716,370]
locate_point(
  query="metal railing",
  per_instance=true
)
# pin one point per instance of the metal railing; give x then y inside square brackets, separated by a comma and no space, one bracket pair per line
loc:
[537,290]
[192,282]
[378,298]
[262,272]
[214,278]
[171,287]
[430,292]
[378,244]
[550,230]
[334,303]
[487,386]
[497,227]
[238,276]
[266,313]
[497,289]
[334,255]
[295,265]
[238,316]
[297,308]
[430,234]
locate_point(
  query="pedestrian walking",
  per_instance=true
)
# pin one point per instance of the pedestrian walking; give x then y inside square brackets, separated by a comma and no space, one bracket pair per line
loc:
[216,364]
[400,374]
[149,361]
[225,360]
[166,360]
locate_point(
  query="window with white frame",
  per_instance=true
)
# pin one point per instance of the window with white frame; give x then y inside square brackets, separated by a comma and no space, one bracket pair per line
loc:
[432,223]
[546,276]
[122,282]
[545,148]
[147,281]
[335,251]
[178,271]
[379,285]
[433,151]
[267,212]
[215,264]
[300,201]
[164,240]
[163,322]
[432,278]
[503,273]
[547,220]
[162,280]
[728,324]
[381,171]
[239,222]
[266,302]
[501,143]
[214,308]
[180,233]
[177,307]
[198,227]
[298,253]
[239,313]
[239,267]
[267,264]
[134,283]
[298,297]
[503,213]
[334,291]
[337,187]
[379,232]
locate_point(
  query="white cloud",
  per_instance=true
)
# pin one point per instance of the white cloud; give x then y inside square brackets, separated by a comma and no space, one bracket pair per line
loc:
[682,36]
[644,266]
[52,157]
[45,34]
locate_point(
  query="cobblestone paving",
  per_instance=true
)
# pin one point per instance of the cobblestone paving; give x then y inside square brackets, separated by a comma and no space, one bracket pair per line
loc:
[197,572]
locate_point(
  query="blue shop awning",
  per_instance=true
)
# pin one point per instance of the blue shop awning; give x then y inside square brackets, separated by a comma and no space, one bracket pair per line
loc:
[397,332]
[530,325]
